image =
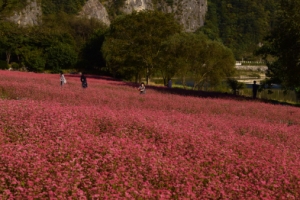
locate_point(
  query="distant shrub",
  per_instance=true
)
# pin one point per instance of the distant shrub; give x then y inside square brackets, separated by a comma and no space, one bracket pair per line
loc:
[235,85]
[15,66]
[3,64]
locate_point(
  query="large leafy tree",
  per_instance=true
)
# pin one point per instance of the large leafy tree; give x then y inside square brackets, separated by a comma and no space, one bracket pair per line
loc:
[195,56]
[60,56]
[217,63]
[283,46]
[33,59]
[11,38]
[133,42]
[183,51]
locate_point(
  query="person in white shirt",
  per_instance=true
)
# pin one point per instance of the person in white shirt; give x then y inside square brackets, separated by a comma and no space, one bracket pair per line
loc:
[62,79]
[142,88]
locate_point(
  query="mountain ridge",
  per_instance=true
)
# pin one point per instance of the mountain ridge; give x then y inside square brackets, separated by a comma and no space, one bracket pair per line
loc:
[189,13]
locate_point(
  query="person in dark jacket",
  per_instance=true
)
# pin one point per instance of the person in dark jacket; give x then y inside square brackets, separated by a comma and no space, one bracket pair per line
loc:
[254,89]
[169,83]
[83,80]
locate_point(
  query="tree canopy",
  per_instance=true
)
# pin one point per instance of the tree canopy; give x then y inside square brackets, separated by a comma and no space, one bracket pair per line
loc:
[133,42]
[195,56]
[150,42]
[282,45]
[240,25]
[9,6]
[56,44]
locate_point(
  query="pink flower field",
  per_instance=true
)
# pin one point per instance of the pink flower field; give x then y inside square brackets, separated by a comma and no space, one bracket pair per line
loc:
[110,142]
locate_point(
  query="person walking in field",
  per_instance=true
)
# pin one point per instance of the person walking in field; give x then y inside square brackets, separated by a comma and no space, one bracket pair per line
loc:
[62,79]
[142,88]
[169,83]
[83,81]
[254,90]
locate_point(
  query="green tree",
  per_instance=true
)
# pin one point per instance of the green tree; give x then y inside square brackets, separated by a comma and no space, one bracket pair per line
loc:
[283,46]
[34,60]
[133,42]
[60,56]
[182,51]
[11,38]
[216,63]
[195,56]
[92,57]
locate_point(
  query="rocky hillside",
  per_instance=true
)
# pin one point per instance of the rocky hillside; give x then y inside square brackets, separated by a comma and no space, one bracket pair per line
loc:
[190,13]
[30,15]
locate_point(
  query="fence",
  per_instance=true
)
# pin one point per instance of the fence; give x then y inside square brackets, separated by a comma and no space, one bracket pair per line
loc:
[238,63]
[272,94]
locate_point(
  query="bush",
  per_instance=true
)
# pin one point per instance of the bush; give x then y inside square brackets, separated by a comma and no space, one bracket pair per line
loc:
[235,85]
[3,64]
[34,61]
[15,66]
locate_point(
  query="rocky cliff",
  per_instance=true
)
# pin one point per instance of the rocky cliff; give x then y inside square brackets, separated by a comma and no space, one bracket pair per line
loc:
[30,15]
[190,13]
[94,9]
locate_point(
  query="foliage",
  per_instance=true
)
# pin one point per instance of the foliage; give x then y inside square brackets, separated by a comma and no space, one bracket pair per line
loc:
[67,6]
[34,60]
[11,39]
[91,53]
[283,46]
[80,29]
[194,55]
[15,66]
[235,85]
[180,53]
[240,25]
[7,7]
[24,45]
[210,28]
[3,64]
[60,56]
[133,42]
[113,8]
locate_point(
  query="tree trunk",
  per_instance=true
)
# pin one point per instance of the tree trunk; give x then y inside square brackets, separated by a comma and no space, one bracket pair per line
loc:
[183,82]
[8,54]
[136,78]
[147,76]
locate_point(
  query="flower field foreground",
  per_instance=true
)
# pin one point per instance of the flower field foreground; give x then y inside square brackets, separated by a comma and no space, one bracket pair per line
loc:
[109,142]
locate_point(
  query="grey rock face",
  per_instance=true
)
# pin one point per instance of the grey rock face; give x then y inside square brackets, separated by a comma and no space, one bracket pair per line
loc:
[189,13]
[30,15]
[137,5]
[94,9]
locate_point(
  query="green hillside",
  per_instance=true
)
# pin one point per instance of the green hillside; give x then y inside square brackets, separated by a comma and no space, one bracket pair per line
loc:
[240,24]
